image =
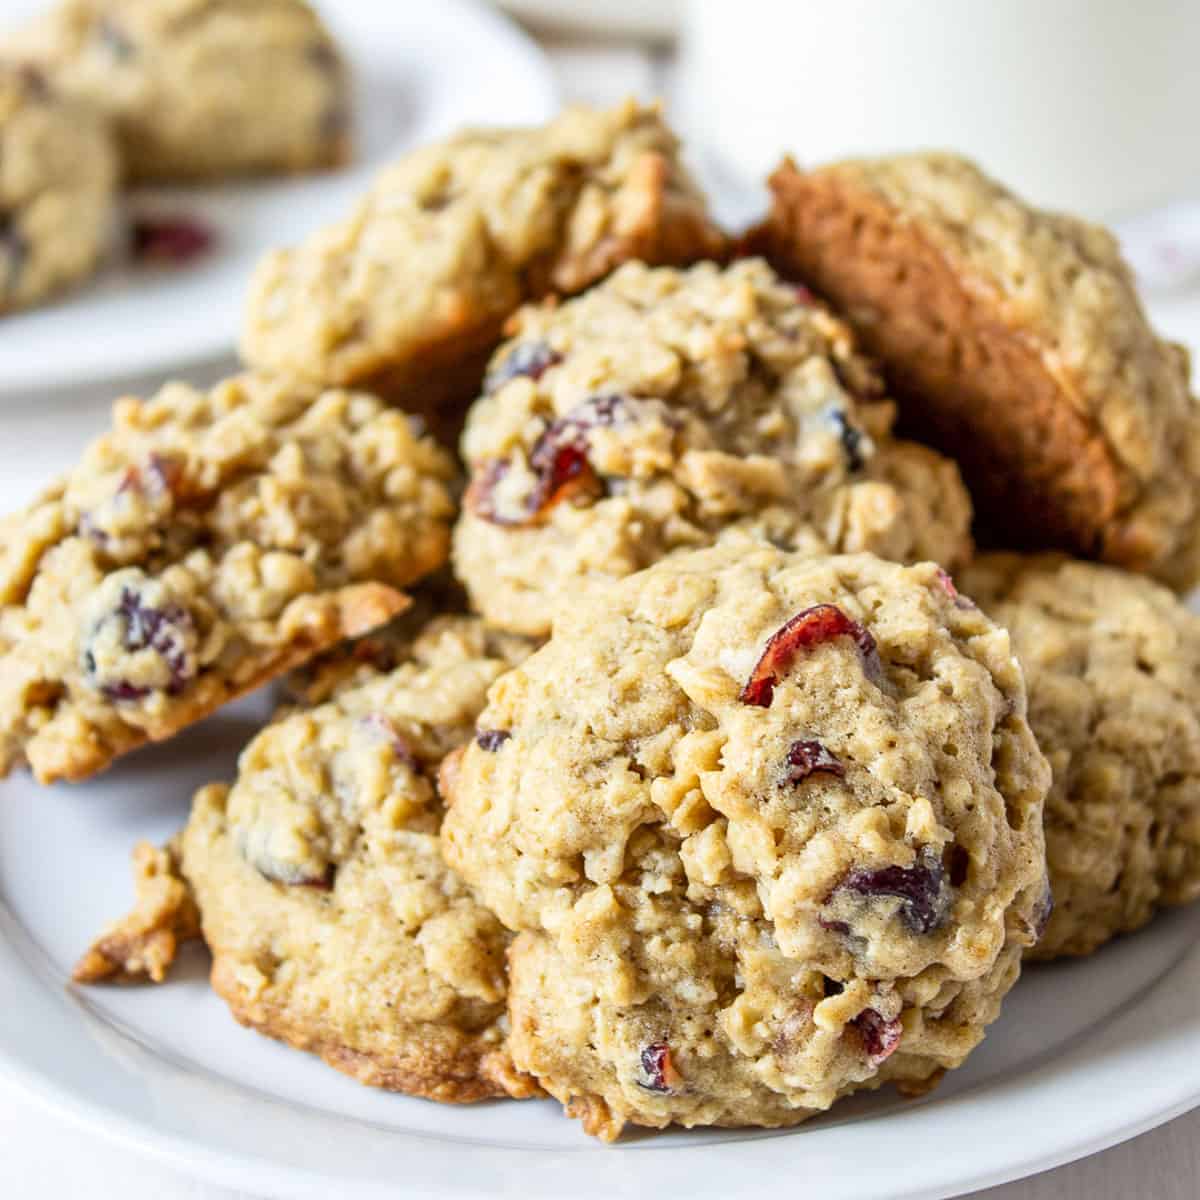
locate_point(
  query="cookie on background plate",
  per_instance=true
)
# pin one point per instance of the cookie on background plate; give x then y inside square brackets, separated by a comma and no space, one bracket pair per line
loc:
[200,89]
[665,406]
[771,829]
[209,542]
[1016,343]
[408,295]
[58,177]
[1112,662]
[333,922]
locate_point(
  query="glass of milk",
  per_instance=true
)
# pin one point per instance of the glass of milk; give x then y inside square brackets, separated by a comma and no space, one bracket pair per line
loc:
[1091,106]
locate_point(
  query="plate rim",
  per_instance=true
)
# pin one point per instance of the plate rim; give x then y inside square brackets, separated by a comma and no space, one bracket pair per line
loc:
[1144,1110]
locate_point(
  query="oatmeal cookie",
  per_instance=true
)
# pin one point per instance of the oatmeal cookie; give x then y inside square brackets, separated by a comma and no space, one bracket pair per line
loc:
[409,294]
[58,173]
[201,89]
[333,922]
[1112,662]
[210,541]
[145,941]
[1017,344]
[771,827]
[663,407]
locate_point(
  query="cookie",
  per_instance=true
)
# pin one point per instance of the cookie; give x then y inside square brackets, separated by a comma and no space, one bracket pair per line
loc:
[145,941]
[1016,343]
[201,89]
[1112,662]
[333,922]
[408,295]
[666,406]
[771,829]
[209,542]
[58,173]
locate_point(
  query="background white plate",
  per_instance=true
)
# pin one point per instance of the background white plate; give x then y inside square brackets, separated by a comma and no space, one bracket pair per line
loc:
[421,70]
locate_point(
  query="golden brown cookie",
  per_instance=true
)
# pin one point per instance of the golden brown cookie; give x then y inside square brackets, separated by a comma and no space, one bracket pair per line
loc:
[333,922]
[408,294]
[209,542]
[771,829]
[665,407]
[57,189]
[1016,343]
[201,89]
[1112,662]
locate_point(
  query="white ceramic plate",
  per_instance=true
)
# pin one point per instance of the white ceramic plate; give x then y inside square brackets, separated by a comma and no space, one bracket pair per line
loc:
[421,71]
[1085,1054]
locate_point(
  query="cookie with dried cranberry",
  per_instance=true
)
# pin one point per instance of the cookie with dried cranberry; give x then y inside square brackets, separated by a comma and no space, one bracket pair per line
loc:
[208,542]
[201,89]
[770,828]
[333,922]
[58,174]
[1112,662]
[408,295]
[1016,343]
[664,407]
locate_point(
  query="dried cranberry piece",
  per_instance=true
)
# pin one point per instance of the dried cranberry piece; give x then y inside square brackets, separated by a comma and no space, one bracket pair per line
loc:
[531,359]
[807,629]
[174,241]
[14,252]
[658,1070]
[922,890]
[491,739]
[558,460]
[947,585]
[803,295]
[851,438]
[880,1038]
[806,757]
[165,629]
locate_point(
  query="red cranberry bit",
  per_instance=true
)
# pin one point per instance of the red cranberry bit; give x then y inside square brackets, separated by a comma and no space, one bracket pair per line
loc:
[529,359]
[804,758]
[491,739]
[880,1038]
[563,471]
[166,631]
[947,585]
[174,241]
[922,890]
[658,1071]
[806,630]
[803,295]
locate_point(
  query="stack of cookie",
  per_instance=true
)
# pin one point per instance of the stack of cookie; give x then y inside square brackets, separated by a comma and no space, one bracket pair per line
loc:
[698,790]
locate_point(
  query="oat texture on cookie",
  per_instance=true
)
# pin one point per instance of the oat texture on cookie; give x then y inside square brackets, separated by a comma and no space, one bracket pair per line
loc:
[411,290]
[1112,662]
[58,174]
[770,828]
[201,89]
[333,922]
[666,406]
[1016,342]
[208,542]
